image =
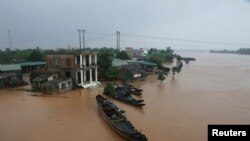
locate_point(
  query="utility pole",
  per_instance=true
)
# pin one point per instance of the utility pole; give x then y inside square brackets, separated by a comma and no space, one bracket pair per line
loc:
[118,41]
[10,39]
[81,39]
[80,42]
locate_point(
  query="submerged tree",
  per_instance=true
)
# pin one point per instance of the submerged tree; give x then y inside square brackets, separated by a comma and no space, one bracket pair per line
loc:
[109,90]
[174,70]
[161,77]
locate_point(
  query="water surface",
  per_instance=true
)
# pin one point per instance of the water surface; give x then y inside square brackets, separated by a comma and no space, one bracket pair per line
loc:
[212,90]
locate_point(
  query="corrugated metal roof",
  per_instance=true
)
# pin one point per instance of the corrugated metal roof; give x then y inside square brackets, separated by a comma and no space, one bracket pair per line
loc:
[148,63]
[32,63]
[118,62]
[10,67]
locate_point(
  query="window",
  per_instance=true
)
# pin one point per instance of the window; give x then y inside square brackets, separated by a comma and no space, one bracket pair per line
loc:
[63,86]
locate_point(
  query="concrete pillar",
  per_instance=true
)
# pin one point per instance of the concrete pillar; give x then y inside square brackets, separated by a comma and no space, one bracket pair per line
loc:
[81,69]
[96,75]
[84,60]
[95,59]
[80,61]
[90,70]
[90,75]
[84,78]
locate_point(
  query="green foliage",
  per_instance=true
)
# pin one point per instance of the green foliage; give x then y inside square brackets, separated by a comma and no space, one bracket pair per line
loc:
[177,68]
[161,77]
[122,55]
[174,70]
[17,56]
[109,90]
[36,55]
[161,56]
[105,57]
[178,57]
[129,76]
[156,58]
[112,73]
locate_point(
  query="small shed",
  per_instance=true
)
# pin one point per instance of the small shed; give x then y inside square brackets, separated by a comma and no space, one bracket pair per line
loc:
[36,83]
[57,86]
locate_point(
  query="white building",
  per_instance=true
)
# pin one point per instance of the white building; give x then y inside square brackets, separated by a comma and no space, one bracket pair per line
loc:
[87,75]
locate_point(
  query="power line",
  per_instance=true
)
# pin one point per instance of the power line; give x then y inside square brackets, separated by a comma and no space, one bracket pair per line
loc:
[187,40]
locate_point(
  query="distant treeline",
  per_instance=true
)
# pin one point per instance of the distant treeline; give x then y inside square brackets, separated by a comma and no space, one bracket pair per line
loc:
[36,54]
[239,51]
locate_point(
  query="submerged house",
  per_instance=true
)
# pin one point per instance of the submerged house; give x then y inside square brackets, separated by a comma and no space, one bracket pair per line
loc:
[57,86]
[131,72]
[133,69]
[10,75]
[80,67]
[38,81]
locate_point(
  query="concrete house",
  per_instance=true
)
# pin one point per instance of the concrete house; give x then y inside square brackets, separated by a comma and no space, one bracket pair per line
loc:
[38,81]
[57,86]
[80,67]
[10,75]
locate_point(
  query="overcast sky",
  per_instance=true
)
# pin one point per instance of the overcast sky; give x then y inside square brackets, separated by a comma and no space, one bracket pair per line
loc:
[54,23]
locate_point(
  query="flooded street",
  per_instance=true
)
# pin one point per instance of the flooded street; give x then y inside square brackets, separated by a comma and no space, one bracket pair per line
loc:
[212,90]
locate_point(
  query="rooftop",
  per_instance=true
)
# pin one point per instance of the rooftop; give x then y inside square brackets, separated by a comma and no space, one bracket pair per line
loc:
[32,63]
[10,67]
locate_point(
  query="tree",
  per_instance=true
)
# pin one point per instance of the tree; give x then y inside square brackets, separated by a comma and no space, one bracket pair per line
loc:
[179,66]
[36,55]
[105,56]
[122,55]
[112,73]
[129,76]
[174,70]
[161,77]
[109,90]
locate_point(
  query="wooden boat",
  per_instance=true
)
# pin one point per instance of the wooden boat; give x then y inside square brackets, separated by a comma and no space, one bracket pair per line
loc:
[130,89]
[128,99]
[123,96]
[117,121]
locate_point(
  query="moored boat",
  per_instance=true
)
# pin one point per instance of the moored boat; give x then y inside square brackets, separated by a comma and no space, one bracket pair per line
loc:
[117,121]
[123,96]
[131,89]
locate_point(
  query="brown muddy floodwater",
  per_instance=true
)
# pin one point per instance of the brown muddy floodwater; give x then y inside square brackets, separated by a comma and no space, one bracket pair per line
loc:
[212,90]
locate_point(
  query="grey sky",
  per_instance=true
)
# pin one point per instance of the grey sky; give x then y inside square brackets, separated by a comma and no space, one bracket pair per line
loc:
[54,23]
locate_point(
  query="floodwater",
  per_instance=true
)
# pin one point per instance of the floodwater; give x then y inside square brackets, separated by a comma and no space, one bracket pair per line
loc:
[212,90]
